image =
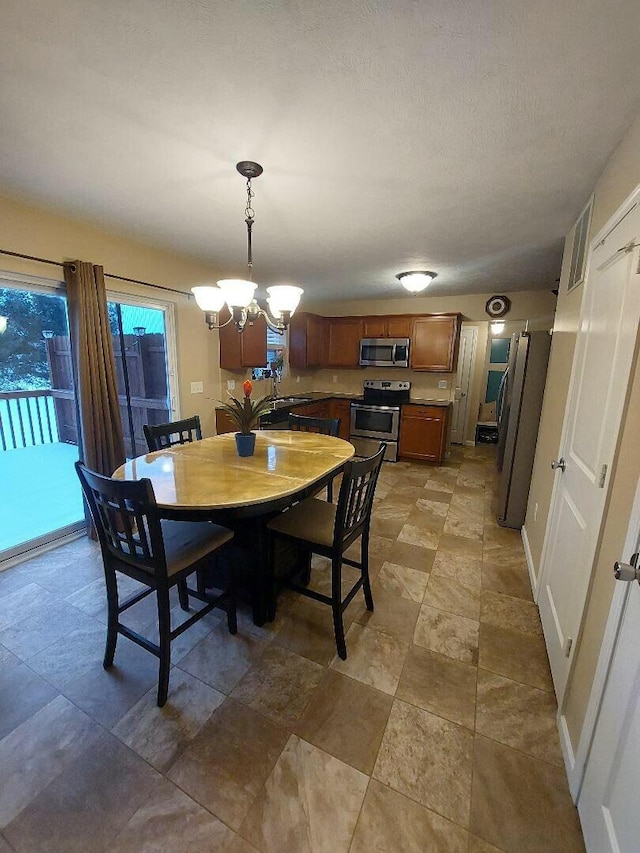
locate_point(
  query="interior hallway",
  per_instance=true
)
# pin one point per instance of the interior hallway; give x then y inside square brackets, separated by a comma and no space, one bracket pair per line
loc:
[437,733]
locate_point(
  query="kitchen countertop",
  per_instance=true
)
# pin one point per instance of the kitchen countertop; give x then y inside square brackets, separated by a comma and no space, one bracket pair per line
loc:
[417,401]
[317,396]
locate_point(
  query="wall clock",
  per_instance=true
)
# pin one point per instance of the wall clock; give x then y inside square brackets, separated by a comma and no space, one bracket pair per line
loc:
[497,306]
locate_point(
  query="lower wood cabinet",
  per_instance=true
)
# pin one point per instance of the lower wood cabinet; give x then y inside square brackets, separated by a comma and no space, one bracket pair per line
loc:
[224,422]
[423,432]
[342,409]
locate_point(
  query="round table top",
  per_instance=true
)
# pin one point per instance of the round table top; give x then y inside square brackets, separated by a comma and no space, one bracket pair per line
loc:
[209,474]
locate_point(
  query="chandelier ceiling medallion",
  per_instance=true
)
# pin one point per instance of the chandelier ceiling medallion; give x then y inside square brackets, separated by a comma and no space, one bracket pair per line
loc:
[416,280]
[239,294]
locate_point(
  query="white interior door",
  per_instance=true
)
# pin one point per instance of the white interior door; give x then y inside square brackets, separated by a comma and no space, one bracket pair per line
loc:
[608,801]
[602,363]
[466,361]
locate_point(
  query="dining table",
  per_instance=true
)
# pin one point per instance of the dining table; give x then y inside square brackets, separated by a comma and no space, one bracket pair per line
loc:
[207,479]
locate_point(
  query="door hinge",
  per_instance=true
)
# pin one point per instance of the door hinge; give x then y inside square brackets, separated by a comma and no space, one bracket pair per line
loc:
[567,646]
[603,477]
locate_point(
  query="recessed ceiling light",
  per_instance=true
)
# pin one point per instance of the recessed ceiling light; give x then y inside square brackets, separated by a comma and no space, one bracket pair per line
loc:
[416,280]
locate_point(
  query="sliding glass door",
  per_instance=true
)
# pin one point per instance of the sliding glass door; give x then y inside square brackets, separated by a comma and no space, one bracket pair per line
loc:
[40,498]
[145,370]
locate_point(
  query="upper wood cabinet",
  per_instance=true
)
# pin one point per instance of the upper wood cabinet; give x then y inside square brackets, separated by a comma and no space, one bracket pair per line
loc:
[434,342]
[316,341]
[245,349]
[344,341]
[387,327]
[308,341]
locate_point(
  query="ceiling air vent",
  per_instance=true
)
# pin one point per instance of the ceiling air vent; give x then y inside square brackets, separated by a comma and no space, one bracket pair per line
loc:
[579,253]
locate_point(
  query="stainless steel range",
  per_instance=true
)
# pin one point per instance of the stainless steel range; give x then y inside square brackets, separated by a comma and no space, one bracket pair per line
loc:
[377,417]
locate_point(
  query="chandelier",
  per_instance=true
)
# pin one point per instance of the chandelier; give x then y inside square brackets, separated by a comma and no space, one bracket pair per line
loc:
[239,294]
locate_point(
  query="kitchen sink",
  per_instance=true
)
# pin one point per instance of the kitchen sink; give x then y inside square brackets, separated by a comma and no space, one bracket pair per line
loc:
[291,400]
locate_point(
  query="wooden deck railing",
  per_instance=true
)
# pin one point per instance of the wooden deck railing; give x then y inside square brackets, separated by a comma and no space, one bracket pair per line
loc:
[27,418]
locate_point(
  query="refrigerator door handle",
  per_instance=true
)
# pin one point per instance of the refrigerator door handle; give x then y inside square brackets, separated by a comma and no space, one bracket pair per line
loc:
[500,400]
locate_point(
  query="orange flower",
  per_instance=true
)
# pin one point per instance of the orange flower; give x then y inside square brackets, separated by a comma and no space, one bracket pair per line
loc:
[247,387]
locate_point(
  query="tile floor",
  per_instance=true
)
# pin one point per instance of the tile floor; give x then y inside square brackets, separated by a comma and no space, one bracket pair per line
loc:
[436,734]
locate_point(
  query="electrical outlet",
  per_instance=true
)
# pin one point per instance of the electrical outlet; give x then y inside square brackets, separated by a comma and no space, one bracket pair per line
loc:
[442,383]
[197,388]
[334,378]
[231,384]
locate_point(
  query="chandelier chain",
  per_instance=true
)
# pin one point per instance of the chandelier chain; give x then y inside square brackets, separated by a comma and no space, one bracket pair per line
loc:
[249,217]
[249,211]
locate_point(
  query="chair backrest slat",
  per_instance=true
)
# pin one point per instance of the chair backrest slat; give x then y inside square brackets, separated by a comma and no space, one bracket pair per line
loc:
[355,501]
[160,436]
[126,518]
[323,426]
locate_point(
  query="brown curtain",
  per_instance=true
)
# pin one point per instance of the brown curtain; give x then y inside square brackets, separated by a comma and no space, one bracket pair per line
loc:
[100,428]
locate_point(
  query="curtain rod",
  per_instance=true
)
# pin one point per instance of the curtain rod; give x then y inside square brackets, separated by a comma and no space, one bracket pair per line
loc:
[107,274]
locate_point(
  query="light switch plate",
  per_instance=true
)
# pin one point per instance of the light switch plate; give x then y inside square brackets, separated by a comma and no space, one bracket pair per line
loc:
[197,387]
[231,384]
[442,383]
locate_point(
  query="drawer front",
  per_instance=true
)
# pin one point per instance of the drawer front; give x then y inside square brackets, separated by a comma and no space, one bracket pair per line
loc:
[437,412]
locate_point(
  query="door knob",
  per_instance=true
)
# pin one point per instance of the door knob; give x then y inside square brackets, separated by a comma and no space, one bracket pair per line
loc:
[559,463]
[627,571]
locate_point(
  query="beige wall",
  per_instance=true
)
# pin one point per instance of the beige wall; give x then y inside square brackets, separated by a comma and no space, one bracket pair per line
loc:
[34,231]
[617,182]
[533,307]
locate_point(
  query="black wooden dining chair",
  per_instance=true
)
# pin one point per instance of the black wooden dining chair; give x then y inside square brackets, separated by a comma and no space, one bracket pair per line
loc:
[324,426]
[328,529]
[156,552]
[160,436]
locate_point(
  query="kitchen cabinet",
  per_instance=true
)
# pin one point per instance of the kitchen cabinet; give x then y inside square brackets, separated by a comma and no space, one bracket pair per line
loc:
[341,409]
[344,341]
[434,342]
[224,422]
[423,431]
[245,349]
[387,327]
[308,341]
[313,410]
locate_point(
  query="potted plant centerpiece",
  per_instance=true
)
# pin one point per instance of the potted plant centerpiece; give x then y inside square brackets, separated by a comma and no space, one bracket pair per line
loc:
[245,414]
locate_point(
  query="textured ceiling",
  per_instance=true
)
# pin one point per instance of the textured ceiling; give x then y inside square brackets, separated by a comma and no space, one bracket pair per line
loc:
[462,137]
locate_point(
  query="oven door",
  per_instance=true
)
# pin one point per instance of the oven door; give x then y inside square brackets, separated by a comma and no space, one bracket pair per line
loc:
[382,422]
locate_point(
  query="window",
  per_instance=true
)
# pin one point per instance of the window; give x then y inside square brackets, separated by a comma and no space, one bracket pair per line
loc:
[276,345]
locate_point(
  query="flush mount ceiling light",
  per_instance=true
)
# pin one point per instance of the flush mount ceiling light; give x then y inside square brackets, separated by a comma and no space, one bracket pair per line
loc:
[497,328]
[238,293]
[416,280]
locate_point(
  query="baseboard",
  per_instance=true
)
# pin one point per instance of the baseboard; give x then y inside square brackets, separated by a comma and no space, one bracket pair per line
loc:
[530,565]
[41,549]
[573,777]
[469,444]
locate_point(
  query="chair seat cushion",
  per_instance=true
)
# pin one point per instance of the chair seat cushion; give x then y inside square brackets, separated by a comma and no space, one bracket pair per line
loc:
[186,542]
[311,520]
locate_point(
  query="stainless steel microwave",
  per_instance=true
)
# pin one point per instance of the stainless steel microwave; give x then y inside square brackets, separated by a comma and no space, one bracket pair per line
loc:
[384,352]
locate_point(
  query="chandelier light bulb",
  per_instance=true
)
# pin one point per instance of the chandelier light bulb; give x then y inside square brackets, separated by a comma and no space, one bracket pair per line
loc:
[237,292]
[416,280]
[284,297]
[208,297]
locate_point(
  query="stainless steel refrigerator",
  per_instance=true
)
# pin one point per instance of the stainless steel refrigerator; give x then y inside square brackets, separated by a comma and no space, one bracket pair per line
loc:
[518,414]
